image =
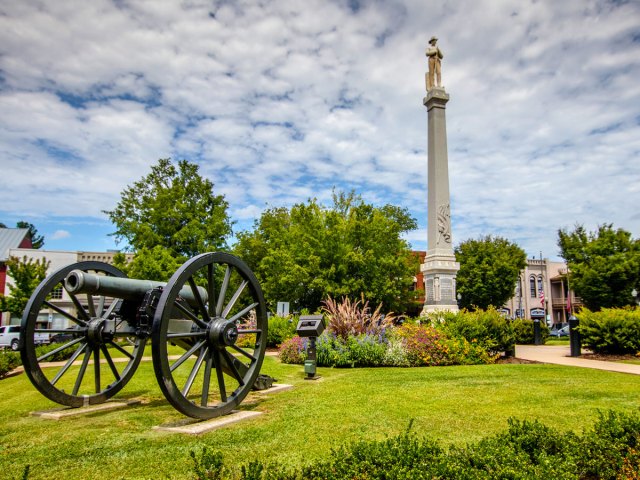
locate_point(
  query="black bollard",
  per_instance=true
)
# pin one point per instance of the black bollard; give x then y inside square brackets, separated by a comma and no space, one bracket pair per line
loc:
[537,332]
[574,336]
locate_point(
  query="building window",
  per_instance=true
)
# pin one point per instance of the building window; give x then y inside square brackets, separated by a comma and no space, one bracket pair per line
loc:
[56,293]
[540,286]
[532,286]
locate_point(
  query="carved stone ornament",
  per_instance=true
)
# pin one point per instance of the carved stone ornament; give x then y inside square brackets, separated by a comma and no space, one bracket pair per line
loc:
[444,223]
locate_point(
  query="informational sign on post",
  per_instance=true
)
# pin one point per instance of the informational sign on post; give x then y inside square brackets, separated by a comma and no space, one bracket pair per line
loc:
[282,309]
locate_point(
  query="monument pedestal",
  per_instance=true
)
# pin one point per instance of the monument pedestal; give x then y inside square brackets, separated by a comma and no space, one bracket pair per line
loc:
[439,270]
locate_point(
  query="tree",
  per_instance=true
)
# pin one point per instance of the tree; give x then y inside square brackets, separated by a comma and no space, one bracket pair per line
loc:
[489,269]
[173,208]
[604,265]
[309,252]
[37,241]
[27,274]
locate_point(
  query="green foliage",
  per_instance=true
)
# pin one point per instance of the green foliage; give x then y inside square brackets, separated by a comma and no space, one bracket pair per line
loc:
[349,318]
[293,351]
[174,209]
[526,450]
[489,269]
[27,275]
[8,361]
[310,252]
[611,330]
[208,464]
[488,328]
[56,357]
[280,330]
[157,264]
[604,265]
[37,241]
[523,331]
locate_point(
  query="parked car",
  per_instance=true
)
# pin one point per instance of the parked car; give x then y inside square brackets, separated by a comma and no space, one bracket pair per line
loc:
[560,332]
[63,337]
[10,336]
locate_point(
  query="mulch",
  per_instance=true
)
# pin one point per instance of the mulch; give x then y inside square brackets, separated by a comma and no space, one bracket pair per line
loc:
[608,358]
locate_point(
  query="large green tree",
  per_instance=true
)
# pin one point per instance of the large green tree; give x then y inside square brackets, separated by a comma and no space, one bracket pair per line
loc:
[489,269]
[27,274]
[604,265]
[308,252]
[170,213]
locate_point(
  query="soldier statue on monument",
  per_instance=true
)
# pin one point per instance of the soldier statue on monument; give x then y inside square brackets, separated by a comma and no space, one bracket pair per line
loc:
[435,56]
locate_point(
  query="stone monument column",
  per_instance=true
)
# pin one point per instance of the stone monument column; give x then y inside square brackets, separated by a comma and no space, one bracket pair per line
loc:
[440,266]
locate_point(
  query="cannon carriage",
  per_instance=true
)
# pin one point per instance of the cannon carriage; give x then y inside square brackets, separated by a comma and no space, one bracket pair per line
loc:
[207,326]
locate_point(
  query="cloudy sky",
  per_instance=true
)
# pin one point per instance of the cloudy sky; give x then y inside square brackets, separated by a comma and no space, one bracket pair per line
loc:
[279,101]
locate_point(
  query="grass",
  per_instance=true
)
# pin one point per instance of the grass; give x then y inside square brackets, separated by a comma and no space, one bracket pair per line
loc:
[452,404]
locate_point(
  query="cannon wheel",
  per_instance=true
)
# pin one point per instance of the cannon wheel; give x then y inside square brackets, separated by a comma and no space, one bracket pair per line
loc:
[81,379]
[207,356]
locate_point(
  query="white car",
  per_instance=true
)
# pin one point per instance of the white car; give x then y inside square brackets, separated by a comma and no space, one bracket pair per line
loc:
[10,336]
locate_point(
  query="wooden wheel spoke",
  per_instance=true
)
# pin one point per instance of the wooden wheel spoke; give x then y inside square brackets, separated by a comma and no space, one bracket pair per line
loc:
[121,350]
[79,308]
[232,368]
[243,312]
[194,372]
[246,354]
[83,368]
[66,366]
[186,335]
[204,400]
[211,291]
[186,355]
[115,303]
[220,375]
[96,368]
[234,298]
[190,314]
[56,309]
[198,298]
[59,349]
[91,306]
[223,290]
[255,330]
[109,360]
[100,309]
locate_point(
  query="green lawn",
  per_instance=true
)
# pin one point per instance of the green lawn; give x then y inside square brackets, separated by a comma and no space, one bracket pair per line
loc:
[452,404]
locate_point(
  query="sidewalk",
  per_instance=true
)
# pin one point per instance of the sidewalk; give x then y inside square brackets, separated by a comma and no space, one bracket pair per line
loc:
[559,355]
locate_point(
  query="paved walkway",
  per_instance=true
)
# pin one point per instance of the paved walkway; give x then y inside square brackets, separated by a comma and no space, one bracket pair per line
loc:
[559,355]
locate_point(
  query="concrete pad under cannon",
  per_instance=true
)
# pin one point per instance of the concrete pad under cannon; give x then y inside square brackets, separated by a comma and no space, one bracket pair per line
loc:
[197,427]
[67,412]
[276,388]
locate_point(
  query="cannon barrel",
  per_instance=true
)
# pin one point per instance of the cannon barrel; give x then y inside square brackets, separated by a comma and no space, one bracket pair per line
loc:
[78,281]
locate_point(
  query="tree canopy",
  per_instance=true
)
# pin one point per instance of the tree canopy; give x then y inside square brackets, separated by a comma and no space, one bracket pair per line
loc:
[309,252]
[604,265]
[171,212]
[489,270]
[27,274]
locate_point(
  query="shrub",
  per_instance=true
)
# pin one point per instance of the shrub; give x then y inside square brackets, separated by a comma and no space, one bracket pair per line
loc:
[293,351]
[56,357]
[8,361]
[280,330]
[523,331]
[489,328]
[526,450]
[611,330]
[355,318]
[331,351]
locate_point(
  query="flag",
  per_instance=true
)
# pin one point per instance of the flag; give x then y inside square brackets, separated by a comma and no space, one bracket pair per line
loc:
[541,295]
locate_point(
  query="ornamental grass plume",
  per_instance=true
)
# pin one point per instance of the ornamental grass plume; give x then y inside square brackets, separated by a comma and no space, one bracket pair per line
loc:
[355,318]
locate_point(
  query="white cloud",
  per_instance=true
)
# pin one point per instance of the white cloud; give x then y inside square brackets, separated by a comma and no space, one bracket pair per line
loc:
[60,235]
[280,101]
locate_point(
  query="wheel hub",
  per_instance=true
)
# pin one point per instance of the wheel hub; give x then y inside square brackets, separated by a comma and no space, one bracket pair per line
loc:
[100,330]
[223,333]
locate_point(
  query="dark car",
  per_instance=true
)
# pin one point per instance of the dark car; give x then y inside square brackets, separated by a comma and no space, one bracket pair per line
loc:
[63,337]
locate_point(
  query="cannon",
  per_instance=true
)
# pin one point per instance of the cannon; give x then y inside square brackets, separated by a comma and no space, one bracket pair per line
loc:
[207,326]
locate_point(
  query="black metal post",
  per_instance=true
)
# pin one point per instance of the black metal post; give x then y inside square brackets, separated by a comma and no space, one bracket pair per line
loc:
[574,337]
[537,332]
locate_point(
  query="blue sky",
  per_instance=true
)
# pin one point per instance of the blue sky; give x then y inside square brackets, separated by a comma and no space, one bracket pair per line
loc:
[279,101]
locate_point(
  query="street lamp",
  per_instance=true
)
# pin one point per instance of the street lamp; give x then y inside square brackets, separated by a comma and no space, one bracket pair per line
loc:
[634,294]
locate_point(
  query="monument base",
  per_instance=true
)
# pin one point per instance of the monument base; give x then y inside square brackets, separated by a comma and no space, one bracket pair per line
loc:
[439,270]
